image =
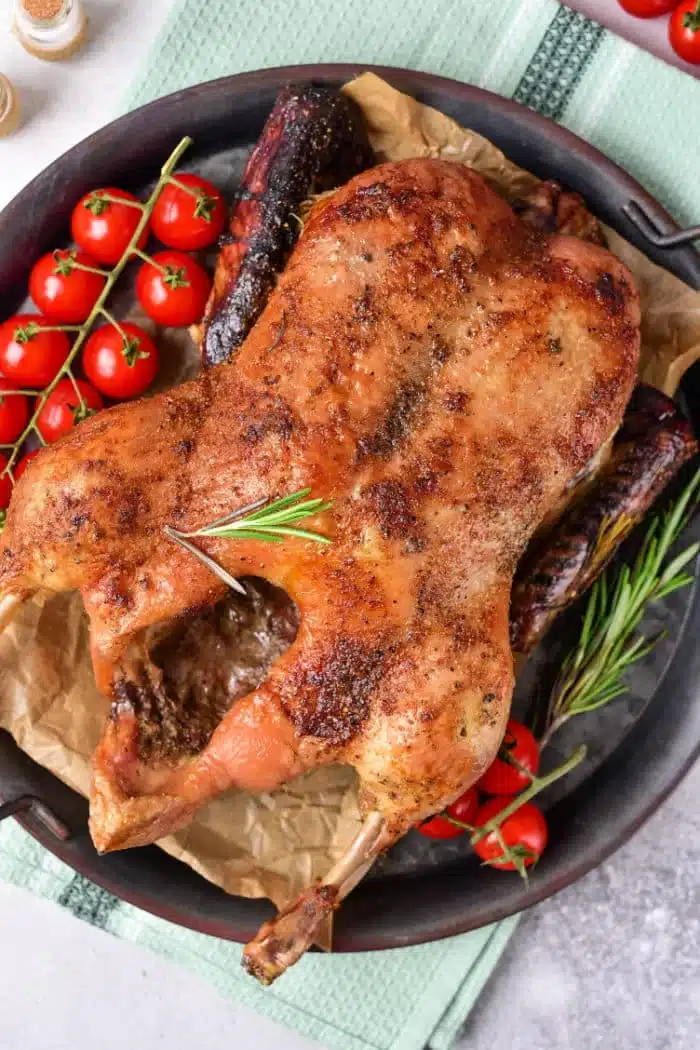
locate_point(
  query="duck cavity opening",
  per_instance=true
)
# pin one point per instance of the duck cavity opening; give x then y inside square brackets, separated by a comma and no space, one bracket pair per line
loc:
[192,670]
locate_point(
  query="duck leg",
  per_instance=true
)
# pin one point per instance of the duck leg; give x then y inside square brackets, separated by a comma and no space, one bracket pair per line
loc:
[281,941]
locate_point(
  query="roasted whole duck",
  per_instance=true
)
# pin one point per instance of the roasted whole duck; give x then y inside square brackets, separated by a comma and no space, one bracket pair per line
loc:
[441,371]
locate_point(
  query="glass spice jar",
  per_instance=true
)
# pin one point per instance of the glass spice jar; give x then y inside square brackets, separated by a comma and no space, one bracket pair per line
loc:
[51,29]
[9,107]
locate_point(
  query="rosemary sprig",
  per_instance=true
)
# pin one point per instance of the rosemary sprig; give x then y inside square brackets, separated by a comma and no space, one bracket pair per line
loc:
[271,522]
[593,674]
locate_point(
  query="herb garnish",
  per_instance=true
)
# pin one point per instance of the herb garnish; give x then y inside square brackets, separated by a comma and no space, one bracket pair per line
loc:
[269,522]
[592,675]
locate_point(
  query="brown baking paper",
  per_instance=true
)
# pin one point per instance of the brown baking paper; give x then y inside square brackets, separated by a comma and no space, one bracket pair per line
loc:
[274,844]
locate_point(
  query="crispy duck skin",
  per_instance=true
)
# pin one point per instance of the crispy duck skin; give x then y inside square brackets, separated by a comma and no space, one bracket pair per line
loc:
[313,141]
[441,371]
[550,208]
[650,448]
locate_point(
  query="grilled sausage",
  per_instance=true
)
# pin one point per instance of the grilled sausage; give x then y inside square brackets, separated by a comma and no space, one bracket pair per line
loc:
[314,140]
[652,444]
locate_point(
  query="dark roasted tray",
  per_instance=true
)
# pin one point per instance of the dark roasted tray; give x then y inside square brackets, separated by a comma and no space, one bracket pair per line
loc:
[639,747]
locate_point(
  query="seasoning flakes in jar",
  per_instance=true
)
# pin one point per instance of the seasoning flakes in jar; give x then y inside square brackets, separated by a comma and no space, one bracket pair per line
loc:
[9,107]
[51,29]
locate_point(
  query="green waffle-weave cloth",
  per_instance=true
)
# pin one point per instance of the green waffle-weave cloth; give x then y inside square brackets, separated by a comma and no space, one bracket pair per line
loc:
[635,109]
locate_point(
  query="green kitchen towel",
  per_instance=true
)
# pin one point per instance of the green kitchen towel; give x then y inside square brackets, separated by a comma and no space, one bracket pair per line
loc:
[631,106]
[638,110]
[403,999]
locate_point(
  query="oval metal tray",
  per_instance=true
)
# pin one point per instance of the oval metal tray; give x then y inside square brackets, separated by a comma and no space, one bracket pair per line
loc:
[640,746]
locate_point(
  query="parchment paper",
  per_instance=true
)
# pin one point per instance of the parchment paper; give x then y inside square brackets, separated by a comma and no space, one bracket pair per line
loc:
[274,844]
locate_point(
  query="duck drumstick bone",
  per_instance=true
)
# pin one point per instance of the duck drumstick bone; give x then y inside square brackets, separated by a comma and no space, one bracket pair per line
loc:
[281,941]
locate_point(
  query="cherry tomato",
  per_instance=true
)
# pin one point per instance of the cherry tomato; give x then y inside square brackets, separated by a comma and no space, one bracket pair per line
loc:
[63,409]
[119,370]
[525,830]
[503,779]
[22,464]
[104,228]
[5,485]
[175,290]
[29,355]
[648,8]
[684,31]
[64,293]
[14,413]
[464,808]
[189,222]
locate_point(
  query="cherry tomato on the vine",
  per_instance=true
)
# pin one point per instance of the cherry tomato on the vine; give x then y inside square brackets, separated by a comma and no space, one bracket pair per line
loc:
[438,827]
[5,485]
[463,809]
[22,464]
[684,31]
[648,8]
[120,369]
[524,831]
[64,291]
[29,354]
[174,289]
[14,412]
[103,228]
[501,778]
[189,220]
[63,408]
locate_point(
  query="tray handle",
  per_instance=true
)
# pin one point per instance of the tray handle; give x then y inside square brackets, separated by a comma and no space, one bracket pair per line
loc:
[649,229]
[38,809]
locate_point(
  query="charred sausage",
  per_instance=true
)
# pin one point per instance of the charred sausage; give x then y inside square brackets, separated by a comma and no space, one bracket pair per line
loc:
[314,140]
[650,448]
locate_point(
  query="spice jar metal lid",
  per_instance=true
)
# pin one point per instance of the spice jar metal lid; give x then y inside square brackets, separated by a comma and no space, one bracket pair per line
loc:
[51,29]
[9,107]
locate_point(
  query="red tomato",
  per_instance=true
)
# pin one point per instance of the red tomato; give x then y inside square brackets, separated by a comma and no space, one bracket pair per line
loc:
[63,409]
[189,222]
[22,464]
[463,809]
[64,293]
[102,228]
[175,290]
[28,355]
[503,779]
[5,485]
[14,413]
[117,369]
[525,831]
[684,31]
[648,8]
